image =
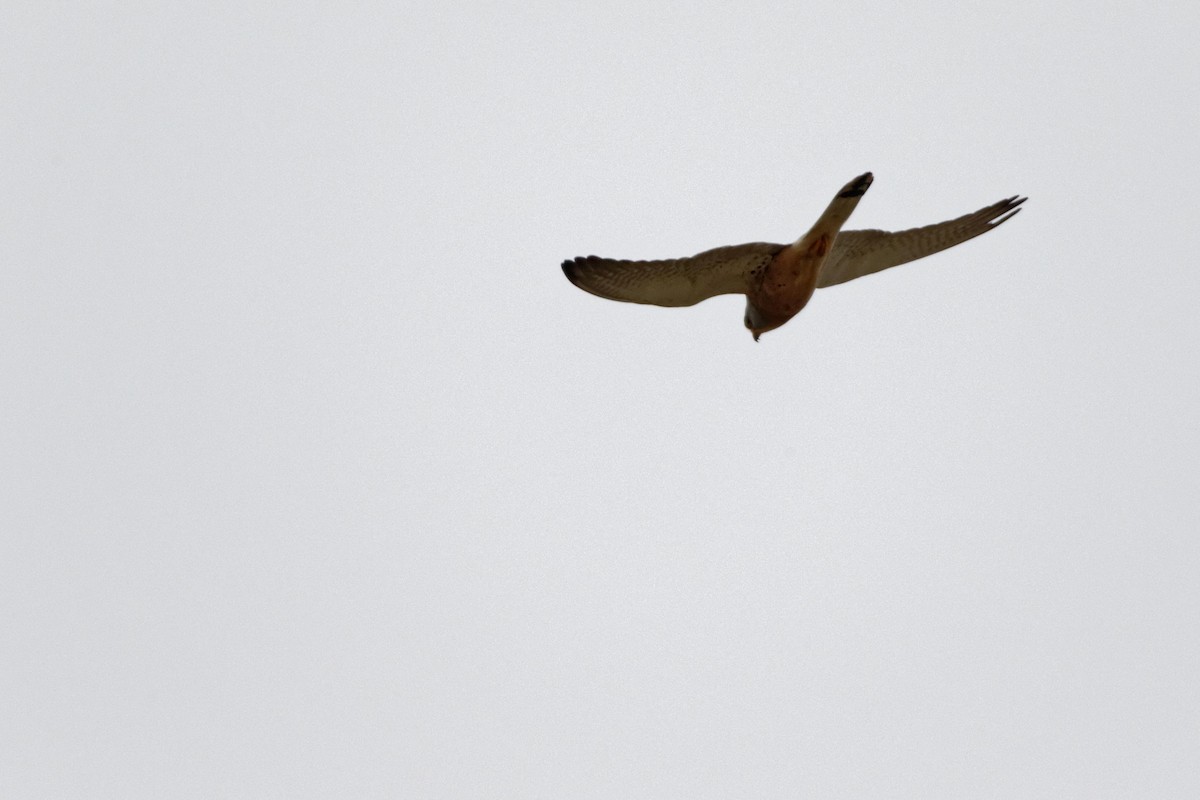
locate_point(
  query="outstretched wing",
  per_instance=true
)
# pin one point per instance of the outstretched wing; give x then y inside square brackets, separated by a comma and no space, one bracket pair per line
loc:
[674,282]
[858,253]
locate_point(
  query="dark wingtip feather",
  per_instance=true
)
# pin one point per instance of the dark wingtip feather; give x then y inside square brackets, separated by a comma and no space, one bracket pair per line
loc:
[570,268]
[1009,209]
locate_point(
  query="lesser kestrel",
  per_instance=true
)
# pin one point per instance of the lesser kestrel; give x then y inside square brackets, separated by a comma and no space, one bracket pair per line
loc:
[779,279]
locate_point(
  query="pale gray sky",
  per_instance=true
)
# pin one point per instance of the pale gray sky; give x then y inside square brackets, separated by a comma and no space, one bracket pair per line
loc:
[320,480]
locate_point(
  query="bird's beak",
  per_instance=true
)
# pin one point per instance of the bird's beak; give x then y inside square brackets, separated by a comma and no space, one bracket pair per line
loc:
[756,335]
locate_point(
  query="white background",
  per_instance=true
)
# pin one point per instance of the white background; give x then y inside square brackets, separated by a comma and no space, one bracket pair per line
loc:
[320,480]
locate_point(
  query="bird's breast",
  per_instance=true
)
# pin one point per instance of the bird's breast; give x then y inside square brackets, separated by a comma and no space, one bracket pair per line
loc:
[790,279]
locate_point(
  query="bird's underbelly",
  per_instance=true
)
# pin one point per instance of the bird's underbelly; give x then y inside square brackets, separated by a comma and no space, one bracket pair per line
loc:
[790,279]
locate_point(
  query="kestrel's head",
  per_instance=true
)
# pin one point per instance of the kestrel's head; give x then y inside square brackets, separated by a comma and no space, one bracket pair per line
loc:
[758,323]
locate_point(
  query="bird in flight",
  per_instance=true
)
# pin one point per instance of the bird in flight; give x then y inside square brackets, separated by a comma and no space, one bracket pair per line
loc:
[779,279]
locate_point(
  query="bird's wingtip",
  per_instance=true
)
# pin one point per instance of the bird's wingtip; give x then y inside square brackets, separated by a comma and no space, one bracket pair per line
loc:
[1010,209]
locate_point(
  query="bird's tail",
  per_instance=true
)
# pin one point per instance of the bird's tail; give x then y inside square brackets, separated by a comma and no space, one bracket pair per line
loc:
[817,241]
[844,203]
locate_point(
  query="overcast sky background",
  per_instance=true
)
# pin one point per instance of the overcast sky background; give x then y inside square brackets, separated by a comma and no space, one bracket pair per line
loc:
[320,480]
